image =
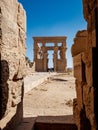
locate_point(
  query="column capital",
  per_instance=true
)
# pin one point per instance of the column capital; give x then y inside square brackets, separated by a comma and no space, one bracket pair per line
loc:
[63,44]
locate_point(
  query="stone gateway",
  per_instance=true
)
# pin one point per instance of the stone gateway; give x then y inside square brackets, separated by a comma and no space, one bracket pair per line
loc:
[41,53]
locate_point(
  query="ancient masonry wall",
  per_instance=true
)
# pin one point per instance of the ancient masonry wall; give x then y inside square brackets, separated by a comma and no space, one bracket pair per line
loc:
[12,62]
[84,52]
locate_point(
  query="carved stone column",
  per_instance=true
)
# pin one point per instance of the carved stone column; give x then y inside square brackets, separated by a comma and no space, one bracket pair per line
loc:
[63,56]
[64,50]
[62,53]
[55,57]
[35,54]
[45,61]
[35,51]
[44,58]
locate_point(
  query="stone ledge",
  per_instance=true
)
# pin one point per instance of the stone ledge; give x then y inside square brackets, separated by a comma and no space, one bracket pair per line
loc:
[55,123]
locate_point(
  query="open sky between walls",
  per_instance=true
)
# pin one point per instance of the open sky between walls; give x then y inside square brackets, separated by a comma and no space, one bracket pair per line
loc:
[53,18]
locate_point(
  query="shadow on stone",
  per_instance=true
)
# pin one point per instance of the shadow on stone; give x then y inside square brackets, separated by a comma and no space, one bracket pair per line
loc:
[4,90]
[18,117]
[55,123]
[57,79]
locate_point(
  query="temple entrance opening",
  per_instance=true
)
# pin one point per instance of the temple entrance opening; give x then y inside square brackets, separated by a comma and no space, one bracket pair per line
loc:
[50,61]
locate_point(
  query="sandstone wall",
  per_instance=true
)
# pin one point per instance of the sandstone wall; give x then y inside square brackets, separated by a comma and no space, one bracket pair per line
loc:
[84,52]
[12,62]
[82,59]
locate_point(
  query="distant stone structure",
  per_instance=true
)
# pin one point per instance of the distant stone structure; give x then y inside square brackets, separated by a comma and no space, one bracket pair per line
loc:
[12,63]
[85,55]
[41,53]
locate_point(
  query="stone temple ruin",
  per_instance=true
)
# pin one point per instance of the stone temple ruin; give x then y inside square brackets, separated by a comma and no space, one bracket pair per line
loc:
[12,65]
[41,53]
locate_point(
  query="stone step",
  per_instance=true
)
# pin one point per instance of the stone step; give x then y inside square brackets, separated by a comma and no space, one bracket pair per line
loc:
[55,123]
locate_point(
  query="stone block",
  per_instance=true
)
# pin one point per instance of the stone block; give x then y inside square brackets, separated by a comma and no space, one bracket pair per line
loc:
[87,60]
[94,38]
[79,90]
[88,99]
[76,112]
[80,43]
[77,67]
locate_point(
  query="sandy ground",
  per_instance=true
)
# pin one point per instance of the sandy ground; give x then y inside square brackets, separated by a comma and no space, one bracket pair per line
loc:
[52,98]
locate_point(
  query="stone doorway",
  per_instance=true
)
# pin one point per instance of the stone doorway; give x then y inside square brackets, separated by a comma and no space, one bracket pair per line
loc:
[50,61]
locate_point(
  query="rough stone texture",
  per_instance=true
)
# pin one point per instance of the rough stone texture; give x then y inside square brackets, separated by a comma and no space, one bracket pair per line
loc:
[84,52]
[84,104]
[41,53]
[12,62]
[30,68]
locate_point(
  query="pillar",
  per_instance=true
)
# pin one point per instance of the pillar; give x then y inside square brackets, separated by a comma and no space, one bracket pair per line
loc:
[35,50]
[44,57]
[55,57]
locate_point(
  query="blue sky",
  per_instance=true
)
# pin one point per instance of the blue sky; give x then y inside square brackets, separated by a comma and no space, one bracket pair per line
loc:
[53,18]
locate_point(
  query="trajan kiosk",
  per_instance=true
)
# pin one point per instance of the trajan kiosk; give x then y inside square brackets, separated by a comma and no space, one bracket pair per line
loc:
[41,47]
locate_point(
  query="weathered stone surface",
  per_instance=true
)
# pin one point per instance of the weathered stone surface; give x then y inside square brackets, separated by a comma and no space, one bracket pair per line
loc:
[86,58]
[76,112]
[85,45]
[21,19]
[77,67]
[84,106]
[81,38]
[12,57]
